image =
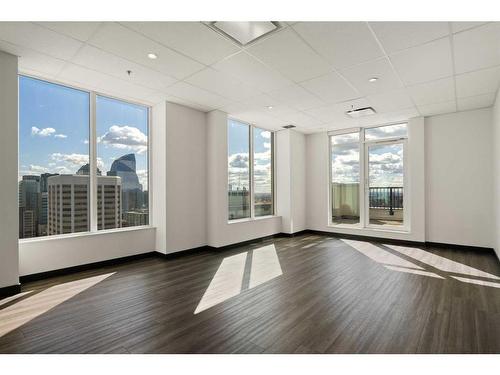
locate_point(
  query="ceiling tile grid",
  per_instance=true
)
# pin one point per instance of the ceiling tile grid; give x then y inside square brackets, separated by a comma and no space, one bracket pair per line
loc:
[310,73]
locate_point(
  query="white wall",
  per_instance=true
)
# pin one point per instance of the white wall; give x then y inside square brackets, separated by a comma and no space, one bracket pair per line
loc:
[459,168]
[158,209]
[291,180]
[496,176]
[317,165]
[219,231]
[186,184]
[52,253]
[9,219]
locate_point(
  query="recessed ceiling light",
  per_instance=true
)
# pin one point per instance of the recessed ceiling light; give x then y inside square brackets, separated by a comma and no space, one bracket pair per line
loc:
[288,126]
[152,56]
[269,107]
[373,79]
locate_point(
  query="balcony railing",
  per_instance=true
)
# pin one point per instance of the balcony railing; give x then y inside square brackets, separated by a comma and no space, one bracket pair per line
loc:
[387,198]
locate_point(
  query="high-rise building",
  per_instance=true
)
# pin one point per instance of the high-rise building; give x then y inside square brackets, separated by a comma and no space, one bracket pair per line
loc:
[29,201]
[132,194]
[68,203]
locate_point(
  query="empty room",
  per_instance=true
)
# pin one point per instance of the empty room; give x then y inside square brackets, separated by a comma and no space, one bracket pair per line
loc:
[249,187]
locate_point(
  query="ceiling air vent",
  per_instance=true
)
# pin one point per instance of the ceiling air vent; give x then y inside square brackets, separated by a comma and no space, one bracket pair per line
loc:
[245,33]
[361,112]
[289,126]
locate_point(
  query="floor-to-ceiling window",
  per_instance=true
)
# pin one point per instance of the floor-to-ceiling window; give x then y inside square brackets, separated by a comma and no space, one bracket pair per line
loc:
[368,177]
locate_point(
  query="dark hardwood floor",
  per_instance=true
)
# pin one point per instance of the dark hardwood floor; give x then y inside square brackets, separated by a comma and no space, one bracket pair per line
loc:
[307,294]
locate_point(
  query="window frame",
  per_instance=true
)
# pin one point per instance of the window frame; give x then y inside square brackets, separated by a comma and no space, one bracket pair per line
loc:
[364,210]
[93,212]
[251,185]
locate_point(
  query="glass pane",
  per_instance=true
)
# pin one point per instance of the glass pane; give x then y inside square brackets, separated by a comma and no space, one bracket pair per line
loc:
[238,170]
[345,183]
[53,158]
[262,172]
[345,138]
[385,168]
[389,131]
[122,162]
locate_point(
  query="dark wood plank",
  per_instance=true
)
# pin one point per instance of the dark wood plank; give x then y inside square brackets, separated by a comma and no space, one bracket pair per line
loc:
[330,298]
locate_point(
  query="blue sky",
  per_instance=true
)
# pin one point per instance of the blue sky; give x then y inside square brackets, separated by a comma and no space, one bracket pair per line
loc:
[54,130]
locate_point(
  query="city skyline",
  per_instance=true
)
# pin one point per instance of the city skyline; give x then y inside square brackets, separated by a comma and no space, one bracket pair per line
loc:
[54,130]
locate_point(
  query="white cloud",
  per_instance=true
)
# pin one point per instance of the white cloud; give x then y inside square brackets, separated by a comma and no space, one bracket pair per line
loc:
[125,137]
[45,132]
[266,135]
[37,169]
[60,136]
[75,159]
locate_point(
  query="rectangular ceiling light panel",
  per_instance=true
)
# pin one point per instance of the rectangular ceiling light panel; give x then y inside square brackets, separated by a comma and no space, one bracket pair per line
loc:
[245,32]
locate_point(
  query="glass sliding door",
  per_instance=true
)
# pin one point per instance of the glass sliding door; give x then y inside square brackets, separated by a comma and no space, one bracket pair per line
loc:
[345,178]
[385,190]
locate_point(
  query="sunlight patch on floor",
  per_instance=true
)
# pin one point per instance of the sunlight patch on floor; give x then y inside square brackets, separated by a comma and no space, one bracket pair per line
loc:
[20,313]
[13,298]
[265,265]
[415,272]
[477,282]
[228,280]
[380,255]
[441,263]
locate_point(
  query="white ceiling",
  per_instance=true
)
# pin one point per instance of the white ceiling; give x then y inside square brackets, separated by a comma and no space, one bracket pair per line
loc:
[310,73]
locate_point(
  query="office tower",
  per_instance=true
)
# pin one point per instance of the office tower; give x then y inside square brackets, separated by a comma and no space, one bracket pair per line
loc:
[84,170]
[29,198]
[43,181]
[68,203]
[135,218]
[132,195]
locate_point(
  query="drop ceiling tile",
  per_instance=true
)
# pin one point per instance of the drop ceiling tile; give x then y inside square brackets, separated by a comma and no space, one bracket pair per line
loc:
[32,61]
[424,63]
[222,84]
[391,101]
[193,39]
[300,119]
[104,62]
[477,48]
[297,97]
[290,55]
[252,72]
[396,36]
[194,94]
[336,112]
[121,41]
[441,90]
[478,82]
[259,118]
[331,88]
[359,76]
[38,38]
[78,30]
[103,83]
[476,102]
[342,43]
[461,26]
[437,108]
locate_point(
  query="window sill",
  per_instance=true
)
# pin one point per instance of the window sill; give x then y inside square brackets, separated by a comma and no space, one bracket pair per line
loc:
[251,219]
[370,229]
[86,234]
